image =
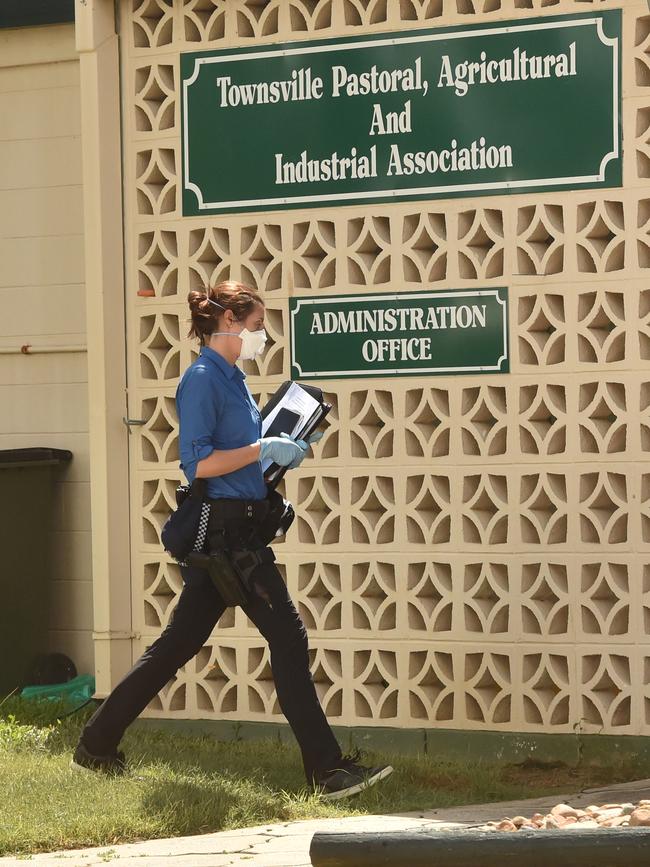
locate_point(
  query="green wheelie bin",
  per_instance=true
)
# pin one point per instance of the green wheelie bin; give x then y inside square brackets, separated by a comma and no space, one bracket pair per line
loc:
[27,478]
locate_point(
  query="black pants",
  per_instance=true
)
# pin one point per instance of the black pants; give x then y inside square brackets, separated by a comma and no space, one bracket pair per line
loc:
[198,610]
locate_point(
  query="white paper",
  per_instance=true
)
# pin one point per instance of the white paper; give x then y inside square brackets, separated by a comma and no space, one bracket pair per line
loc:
[297,400]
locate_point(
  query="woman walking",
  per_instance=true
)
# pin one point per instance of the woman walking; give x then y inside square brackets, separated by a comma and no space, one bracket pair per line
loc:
[220,440]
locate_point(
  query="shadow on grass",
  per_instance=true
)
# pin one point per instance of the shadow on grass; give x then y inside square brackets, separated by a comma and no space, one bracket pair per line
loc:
[189,807]
[268,763]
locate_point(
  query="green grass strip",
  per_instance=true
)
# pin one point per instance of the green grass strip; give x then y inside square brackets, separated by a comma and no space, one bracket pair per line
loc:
[181,785]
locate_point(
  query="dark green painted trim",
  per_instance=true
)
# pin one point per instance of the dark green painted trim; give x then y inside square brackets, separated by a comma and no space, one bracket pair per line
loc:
[498,747]
[600,847]
[29,13]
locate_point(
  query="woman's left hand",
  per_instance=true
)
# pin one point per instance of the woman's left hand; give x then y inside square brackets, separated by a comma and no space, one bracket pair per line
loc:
[304,445]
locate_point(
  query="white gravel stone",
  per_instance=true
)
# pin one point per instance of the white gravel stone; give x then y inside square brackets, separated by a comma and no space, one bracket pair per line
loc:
[640,817]
[563,810]
[590,823]
[611,813]
[566,816]
[506,825]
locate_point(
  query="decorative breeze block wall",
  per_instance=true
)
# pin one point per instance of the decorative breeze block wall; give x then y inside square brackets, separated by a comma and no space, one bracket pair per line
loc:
[470,552]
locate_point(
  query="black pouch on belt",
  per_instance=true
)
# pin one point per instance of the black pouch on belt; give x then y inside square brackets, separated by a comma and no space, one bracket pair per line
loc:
[277,520]
[182,527]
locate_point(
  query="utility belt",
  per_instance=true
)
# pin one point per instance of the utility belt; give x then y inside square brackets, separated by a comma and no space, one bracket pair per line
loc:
[228,538]
[234,510]
[249,524]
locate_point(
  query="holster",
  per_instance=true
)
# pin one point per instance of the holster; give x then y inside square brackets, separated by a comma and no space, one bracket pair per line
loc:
[222,574]
[246,563]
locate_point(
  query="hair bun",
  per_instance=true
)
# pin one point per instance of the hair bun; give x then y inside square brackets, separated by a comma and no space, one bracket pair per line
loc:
[203,319]
[227,295]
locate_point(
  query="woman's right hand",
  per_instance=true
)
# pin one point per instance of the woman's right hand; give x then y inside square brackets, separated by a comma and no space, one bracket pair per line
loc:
[281,450]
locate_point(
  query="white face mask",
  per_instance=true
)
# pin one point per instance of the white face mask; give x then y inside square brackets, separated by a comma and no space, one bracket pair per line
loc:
[252,344]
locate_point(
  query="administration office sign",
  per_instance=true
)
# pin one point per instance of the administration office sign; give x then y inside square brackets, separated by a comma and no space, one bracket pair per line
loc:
[529,104]
[410,333]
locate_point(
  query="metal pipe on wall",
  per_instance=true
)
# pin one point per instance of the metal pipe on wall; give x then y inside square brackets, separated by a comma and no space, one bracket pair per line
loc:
[28,349]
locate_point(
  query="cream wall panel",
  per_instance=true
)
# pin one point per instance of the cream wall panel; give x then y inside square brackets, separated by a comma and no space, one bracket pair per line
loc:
[34,213]
[47,368]
[469,552]
[62,310]
[41,261]
[42,113]
[44,409]
[71,507]
[37,47]
[42,76]
[43,398]
[72,602]
[39,163]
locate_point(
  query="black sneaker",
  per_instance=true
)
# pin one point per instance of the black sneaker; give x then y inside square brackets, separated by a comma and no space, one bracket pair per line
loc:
[350,778]
[112,764]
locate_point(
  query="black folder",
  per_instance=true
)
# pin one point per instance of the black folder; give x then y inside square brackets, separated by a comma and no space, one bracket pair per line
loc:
[286,420]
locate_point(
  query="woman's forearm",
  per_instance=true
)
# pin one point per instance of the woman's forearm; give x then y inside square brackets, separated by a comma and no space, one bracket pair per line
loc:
[227,461]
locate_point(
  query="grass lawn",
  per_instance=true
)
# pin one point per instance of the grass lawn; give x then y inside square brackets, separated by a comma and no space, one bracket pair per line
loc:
[180,785]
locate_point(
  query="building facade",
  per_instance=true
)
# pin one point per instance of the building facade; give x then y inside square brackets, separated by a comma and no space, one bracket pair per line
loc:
[471,552]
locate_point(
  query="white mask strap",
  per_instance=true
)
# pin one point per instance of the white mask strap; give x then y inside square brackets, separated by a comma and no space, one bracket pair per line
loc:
[214,302]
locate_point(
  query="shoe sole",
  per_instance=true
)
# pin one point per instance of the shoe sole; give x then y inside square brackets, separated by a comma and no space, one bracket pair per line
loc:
[84,769]
[75,767]
[354,790]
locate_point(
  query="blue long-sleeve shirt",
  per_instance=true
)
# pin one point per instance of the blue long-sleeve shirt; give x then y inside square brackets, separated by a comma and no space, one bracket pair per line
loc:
[216,411]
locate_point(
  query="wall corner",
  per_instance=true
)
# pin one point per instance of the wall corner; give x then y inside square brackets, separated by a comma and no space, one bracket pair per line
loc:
[97,43]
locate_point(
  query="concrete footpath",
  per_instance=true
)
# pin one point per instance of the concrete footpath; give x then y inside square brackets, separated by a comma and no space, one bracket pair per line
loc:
[287,844]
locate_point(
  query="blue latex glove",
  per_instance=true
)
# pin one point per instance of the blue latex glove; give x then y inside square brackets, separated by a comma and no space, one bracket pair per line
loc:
[312,438]
[299,458]
[281,450]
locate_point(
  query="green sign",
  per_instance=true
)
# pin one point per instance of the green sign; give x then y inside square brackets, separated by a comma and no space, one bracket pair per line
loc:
[458,331]
[519,105]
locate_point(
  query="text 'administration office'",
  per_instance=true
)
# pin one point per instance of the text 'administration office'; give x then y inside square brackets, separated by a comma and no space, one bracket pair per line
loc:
[446,207]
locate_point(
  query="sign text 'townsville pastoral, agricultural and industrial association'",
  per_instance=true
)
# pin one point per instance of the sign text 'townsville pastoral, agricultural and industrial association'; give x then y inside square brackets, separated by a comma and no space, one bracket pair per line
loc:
[528,104]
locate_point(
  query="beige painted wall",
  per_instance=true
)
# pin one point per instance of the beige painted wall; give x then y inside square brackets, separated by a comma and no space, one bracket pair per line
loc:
[43,397]
[468,553]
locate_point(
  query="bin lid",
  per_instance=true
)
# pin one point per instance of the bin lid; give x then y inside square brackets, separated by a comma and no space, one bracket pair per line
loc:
[33,457]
